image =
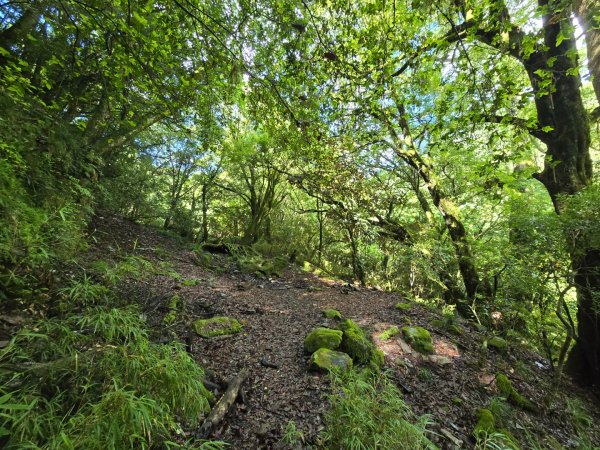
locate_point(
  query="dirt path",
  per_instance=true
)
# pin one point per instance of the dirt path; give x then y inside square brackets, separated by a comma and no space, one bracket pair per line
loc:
[277,315]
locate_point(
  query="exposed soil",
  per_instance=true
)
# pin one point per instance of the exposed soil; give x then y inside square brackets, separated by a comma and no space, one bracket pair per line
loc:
[277,315]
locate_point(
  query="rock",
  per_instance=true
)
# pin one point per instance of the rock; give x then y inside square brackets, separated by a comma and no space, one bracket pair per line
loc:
[497,343]
[217,326]
[355,342]
[486,423]
[439,360]
[377,359]
[419,338]
[329,360]
[322,338]
[402,306]
[332,314]
[506,388]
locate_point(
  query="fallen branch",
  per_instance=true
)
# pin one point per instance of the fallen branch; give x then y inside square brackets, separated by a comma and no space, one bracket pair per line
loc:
[217,414]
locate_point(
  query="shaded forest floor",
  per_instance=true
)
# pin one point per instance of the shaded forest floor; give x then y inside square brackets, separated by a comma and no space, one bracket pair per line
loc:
[278,313]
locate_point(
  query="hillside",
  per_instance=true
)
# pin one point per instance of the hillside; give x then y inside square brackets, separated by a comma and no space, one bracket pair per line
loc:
[277,314]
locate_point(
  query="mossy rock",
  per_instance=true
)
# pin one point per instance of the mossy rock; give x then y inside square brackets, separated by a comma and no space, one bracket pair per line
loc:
[486,423]
[419,339]
[507,390]
[389,333]
[403,306]
[322,338]
[332,314]
[217,326]
[447,325]
[377,359]
[355,342]
[497,343]
[174,304]
[329,360]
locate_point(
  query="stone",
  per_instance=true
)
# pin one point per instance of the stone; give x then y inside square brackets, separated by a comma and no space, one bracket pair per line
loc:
[329,360]
[419,339]
[486,423]
[322,338]
[217,326]
[402,306]
[507,390]
[332,314]
[439,360]
[355,342]
[497,343]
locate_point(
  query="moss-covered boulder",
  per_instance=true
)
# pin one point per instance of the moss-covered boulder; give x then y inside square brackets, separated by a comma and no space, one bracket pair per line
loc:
[332,314]
[506,388]
[486,423]
[217,326]
[322,338]
[419,339]
[403,306]
[377,359]
[497,343]
[355,342]
[329,360]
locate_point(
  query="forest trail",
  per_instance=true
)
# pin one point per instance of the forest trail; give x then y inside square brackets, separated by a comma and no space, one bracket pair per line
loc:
[278,313]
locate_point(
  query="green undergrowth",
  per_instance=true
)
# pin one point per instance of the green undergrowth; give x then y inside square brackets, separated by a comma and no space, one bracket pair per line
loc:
[257,261]
[367,412]
[95,381]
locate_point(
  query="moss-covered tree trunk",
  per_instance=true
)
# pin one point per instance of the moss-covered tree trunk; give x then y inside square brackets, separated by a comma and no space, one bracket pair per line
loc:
[564,128]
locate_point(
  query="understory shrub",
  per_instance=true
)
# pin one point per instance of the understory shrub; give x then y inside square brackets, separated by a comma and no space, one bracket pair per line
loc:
[367,412]
[95,381]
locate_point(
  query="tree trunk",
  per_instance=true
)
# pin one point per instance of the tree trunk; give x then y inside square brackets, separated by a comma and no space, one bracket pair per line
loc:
[204,200]
[585,10]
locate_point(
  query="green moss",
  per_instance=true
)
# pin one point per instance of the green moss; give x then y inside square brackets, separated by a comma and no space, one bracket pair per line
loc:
[332,314]
[389,333]
[377,359]
[457,401]
[355,342]
[191,282]
[497,343]
[437,323]
[486,423]
[448,325]
[329,360]
[217,326]
[507,390]
[419,339]
[203,259]
[174,303]
[402,306]
[322,338]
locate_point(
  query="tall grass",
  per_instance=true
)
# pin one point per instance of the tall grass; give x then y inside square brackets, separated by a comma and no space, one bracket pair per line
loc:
[95,381]
[367,412]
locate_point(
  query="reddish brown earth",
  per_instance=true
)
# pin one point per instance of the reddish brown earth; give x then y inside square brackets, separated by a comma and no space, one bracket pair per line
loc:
[278,313]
